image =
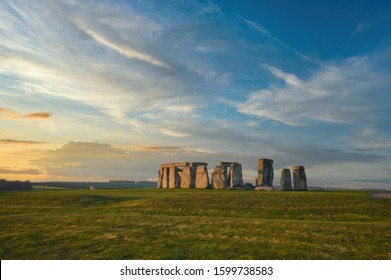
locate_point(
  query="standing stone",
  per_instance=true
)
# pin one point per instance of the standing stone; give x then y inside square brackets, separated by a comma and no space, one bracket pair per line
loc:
[299,178]
[219,178]
[285,180]
[188,177]
[166,177]
[175,180]
[265,172]
[202,178]
[235,175]
[160,179]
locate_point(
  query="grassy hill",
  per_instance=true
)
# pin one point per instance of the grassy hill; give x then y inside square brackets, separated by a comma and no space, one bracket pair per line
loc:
[193,224]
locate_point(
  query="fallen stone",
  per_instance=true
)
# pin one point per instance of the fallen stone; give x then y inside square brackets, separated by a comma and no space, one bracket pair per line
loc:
[263,189]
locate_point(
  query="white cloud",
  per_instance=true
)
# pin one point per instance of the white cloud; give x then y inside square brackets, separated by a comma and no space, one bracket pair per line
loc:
[260,28]
[173,133]
[346,93]
[122,49]
[210,8]
[361,26]
[290,79]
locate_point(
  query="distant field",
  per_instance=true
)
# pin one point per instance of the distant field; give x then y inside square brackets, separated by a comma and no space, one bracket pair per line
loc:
[96,185]
[193,224]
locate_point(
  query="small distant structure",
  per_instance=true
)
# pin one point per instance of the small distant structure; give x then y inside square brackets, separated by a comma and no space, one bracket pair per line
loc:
[91,188]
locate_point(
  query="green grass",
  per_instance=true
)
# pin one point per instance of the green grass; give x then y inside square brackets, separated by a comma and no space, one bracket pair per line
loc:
[193,224]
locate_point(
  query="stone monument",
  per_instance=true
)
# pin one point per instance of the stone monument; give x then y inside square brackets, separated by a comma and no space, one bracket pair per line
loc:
[285,180]
[299,178]
[219,178]
[182,175]
[202,177]
[265,172]
[227,175]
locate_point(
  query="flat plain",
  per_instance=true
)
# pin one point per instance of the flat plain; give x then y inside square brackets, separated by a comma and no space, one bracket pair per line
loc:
[193,224]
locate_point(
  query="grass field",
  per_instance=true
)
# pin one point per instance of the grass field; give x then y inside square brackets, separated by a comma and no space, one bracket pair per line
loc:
[193,224]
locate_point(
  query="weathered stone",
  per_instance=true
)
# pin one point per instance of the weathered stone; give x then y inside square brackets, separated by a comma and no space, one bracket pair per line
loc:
[235,175]
[285,180]
[188,177]
[227,163]
[298,167]
[263,188]
[174,164]
[166,177]
[202,178]
[175,179]
[265,172]
[195,164]
[160,179]
[219,177]
[299,178]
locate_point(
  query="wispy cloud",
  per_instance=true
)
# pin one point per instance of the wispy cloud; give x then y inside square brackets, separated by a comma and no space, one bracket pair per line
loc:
[30,171]
[121,48]
[210,8]
[361,26]
[6,112]
[37,115]
[260,28]
[157,149]
[337,94]
[34,115]
[290,79]
[22,142]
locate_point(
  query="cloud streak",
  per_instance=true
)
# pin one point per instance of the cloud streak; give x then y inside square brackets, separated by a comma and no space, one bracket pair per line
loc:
[121,48]
[30,171]
[337,94]
[37,115]
[20,142]
[5,111]
[34,115]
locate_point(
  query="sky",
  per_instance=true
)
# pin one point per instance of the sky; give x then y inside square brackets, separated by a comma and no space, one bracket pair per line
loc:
[102,90]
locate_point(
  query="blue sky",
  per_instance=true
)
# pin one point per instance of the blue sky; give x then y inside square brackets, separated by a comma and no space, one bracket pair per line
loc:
[98,90]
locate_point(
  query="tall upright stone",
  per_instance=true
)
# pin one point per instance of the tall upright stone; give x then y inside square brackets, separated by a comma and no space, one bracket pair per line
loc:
[265,172]
[160,178]
[299,178]
[219,177]
[175,180]
[202,178]
[165,177]
[235,175]
[188,177]
[285,180]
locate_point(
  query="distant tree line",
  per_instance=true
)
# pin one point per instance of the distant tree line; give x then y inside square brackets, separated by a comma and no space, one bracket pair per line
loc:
[15,185]
[129,181]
